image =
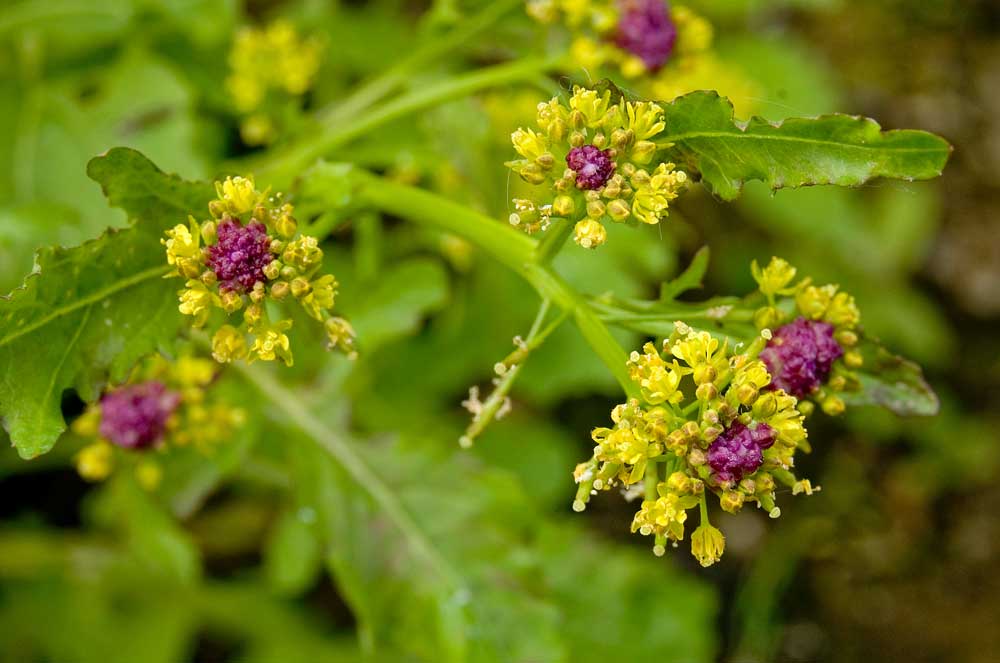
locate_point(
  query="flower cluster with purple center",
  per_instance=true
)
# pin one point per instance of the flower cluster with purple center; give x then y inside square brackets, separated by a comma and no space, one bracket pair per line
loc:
[647,31]
[800,356]
[593,166]
[135,416]
[739,451]
[240,255]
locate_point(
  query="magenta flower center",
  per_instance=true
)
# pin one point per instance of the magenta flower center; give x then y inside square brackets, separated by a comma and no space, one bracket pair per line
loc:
[134,416]
[739,451]
[240,256]
[800,355]
[593,167]
[647,31]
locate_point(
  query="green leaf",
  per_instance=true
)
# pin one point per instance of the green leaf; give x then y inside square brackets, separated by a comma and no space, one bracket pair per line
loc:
[689,279]
[894,383]
[292,556]
[703,137]
[88,313]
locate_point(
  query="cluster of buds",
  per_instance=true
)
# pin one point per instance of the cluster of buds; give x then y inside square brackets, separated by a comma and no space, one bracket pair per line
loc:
[253,254]
[709,421]
[813,350]
[163,405]
[642,38]
[270,68]
[594,159]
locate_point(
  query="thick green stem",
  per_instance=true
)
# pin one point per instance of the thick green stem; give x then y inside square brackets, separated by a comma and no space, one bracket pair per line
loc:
[280,167]
[508,246]
[555,238]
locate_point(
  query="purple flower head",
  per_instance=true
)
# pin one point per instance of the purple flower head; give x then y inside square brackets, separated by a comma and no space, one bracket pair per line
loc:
[240,256]
[134,416]
[647,31]
[593,166]
[739,451]
[800,355]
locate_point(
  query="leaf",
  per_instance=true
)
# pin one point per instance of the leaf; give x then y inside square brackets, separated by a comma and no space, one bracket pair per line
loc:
[395,304]
[88,313]
[894,383]
[292,556]
[689,279]
[703,137]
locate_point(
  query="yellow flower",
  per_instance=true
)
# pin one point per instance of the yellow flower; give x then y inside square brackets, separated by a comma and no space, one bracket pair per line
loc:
[654,193]
[238,194]
[271,343]
[197,300]
[228,344]
[644,119]
[590,105]
[694,32]
[775,278]
[95,461]
[184,249]
[813,301]
[320,296]
[589,234]
[303,253]
[664,516]
[193,371]
[698,348]
[707,545]
[659,381]
[842,311]
[529,144]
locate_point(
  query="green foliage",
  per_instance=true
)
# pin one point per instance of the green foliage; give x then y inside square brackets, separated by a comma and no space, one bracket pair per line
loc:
[87,314]
[703,136]
[893,382]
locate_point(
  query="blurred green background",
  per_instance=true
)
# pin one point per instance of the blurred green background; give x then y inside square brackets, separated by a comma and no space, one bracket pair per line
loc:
[267,552]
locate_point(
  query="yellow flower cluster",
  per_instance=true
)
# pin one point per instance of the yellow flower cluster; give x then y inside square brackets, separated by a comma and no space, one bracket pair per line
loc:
[269,66]
[709,421]
[594,159]
[253,254]
[198,420]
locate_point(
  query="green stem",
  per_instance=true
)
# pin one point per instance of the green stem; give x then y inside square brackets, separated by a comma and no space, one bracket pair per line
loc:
[279,168]
[394,77]
[703,505]
[509,247]
[491,407]
[555,238]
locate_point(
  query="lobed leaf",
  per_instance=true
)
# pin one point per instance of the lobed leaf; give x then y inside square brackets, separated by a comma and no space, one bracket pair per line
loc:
[703,136]
[87,314]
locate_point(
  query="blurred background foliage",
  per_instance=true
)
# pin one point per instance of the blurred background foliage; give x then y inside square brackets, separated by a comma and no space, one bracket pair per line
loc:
[268,551]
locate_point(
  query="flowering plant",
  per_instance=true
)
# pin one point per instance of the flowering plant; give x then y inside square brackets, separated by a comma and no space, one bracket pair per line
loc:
[177,360]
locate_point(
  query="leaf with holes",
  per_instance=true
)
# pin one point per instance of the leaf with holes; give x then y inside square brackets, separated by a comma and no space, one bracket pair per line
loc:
[87,314]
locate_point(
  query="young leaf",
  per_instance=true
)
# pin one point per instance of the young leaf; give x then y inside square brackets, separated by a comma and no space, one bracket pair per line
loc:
[88,313]
[893,382]
[689,279]
[703,136]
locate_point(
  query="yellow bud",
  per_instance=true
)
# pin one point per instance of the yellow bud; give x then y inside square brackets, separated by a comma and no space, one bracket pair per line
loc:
[833,406]
[854,359]
[286,225]
[731,501]
[619,210]
[299,286]
[680,483]
[232,301]
[589,234]
[280,290]
[766,317]
[706,392]
[272,270]
[563,206]
[595,209]
[642,152]
[208,232]
[95,462]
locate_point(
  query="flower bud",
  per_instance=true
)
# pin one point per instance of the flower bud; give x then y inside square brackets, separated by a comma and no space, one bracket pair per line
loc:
[280,290]
[643,151]
[731,501]
[619,210]
[680,483]
[232,301]
[706,392]
[697,458]
[589,234]
[272,270]
[209,233]
[300,287]
[853,359]
[286,225]
[833,406]
[564,206]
